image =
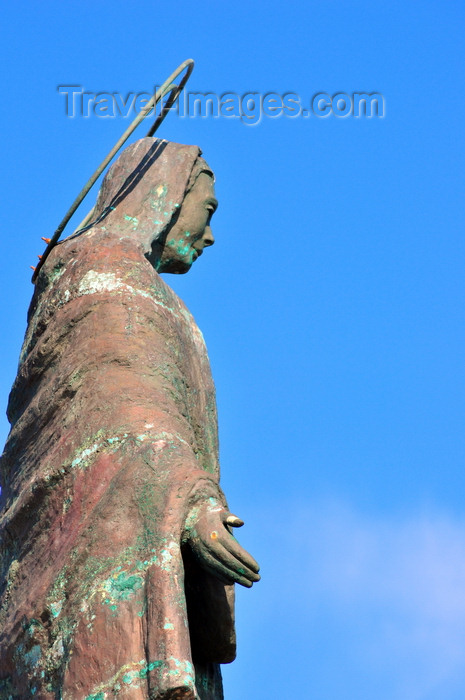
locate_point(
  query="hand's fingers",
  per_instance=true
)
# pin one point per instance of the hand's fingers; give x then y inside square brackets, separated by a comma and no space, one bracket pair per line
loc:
[233,520]
[217,567]
[233,560]
[233,546]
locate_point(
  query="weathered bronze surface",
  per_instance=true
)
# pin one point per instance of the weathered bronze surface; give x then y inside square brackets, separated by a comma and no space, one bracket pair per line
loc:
[118,561]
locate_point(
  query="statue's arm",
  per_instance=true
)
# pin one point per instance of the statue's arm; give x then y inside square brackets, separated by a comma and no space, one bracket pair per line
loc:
[208,532]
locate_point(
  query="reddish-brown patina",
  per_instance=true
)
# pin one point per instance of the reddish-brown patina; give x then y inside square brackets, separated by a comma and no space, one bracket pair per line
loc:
[110,472]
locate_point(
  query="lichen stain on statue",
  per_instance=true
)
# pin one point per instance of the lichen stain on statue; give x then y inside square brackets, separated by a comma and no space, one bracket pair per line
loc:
[118,560]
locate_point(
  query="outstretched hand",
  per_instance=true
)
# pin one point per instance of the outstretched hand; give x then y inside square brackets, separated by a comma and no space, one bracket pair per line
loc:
[208,531]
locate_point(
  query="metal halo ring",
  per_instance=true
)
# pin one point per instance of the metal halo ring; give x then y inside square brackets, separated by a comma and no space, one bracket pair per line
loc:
[167,87]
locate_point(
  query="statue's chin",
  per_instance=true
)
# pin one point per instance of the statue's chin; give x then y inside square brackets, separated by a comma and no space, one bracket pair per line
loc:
[175,267]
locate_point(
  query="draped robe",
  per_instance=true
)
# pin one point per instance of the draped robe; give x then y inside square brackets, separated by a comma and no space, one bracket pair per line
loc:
[113,441]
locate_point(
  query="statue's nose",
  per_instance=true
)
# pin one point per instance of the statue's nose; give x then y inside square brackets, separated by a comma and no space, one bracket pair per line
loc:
[208,238]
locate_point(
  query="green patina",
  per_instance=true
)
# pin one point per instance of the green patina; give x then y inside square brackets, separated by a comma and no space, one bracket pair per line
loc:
[150,667]
[87,448]
[56,272]
[146,499]
[6,688]
[181,246]
[183,668]
[208,467]
[32,657]
[113,440]
[67,503]
[130,675]
[56,596]
[143,610]
[121,583]
[96,442]
[122,587]
[191,521]
[35,661]
[55,608]
[202,680]
[134,220]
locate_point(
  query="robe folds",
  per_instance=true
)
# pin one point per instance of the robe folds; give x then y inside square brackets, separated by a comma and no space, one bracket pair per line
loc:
[113,441]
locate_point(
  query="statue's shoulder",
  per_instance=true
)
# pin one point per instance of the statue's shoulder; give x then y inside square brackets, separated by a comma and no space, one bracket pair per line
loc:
[163,290]
[96,265]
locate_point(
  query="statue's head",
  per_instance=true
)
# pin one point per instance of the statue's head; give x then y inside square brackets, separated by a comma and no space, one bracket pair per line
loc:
[160,195]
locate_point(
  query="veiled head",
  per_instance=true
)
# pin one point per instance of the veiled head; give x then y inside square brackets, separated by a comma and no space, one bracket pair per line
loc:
[160,195]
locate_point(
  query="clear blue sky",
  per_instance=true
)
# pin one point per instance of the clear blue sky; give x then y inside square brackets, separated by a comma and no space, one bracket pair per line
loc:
[332,305]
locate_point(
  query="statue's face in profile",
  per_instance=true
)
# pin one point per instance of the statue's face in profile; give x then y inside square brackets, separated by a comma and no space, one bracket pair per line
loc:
[191,232]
